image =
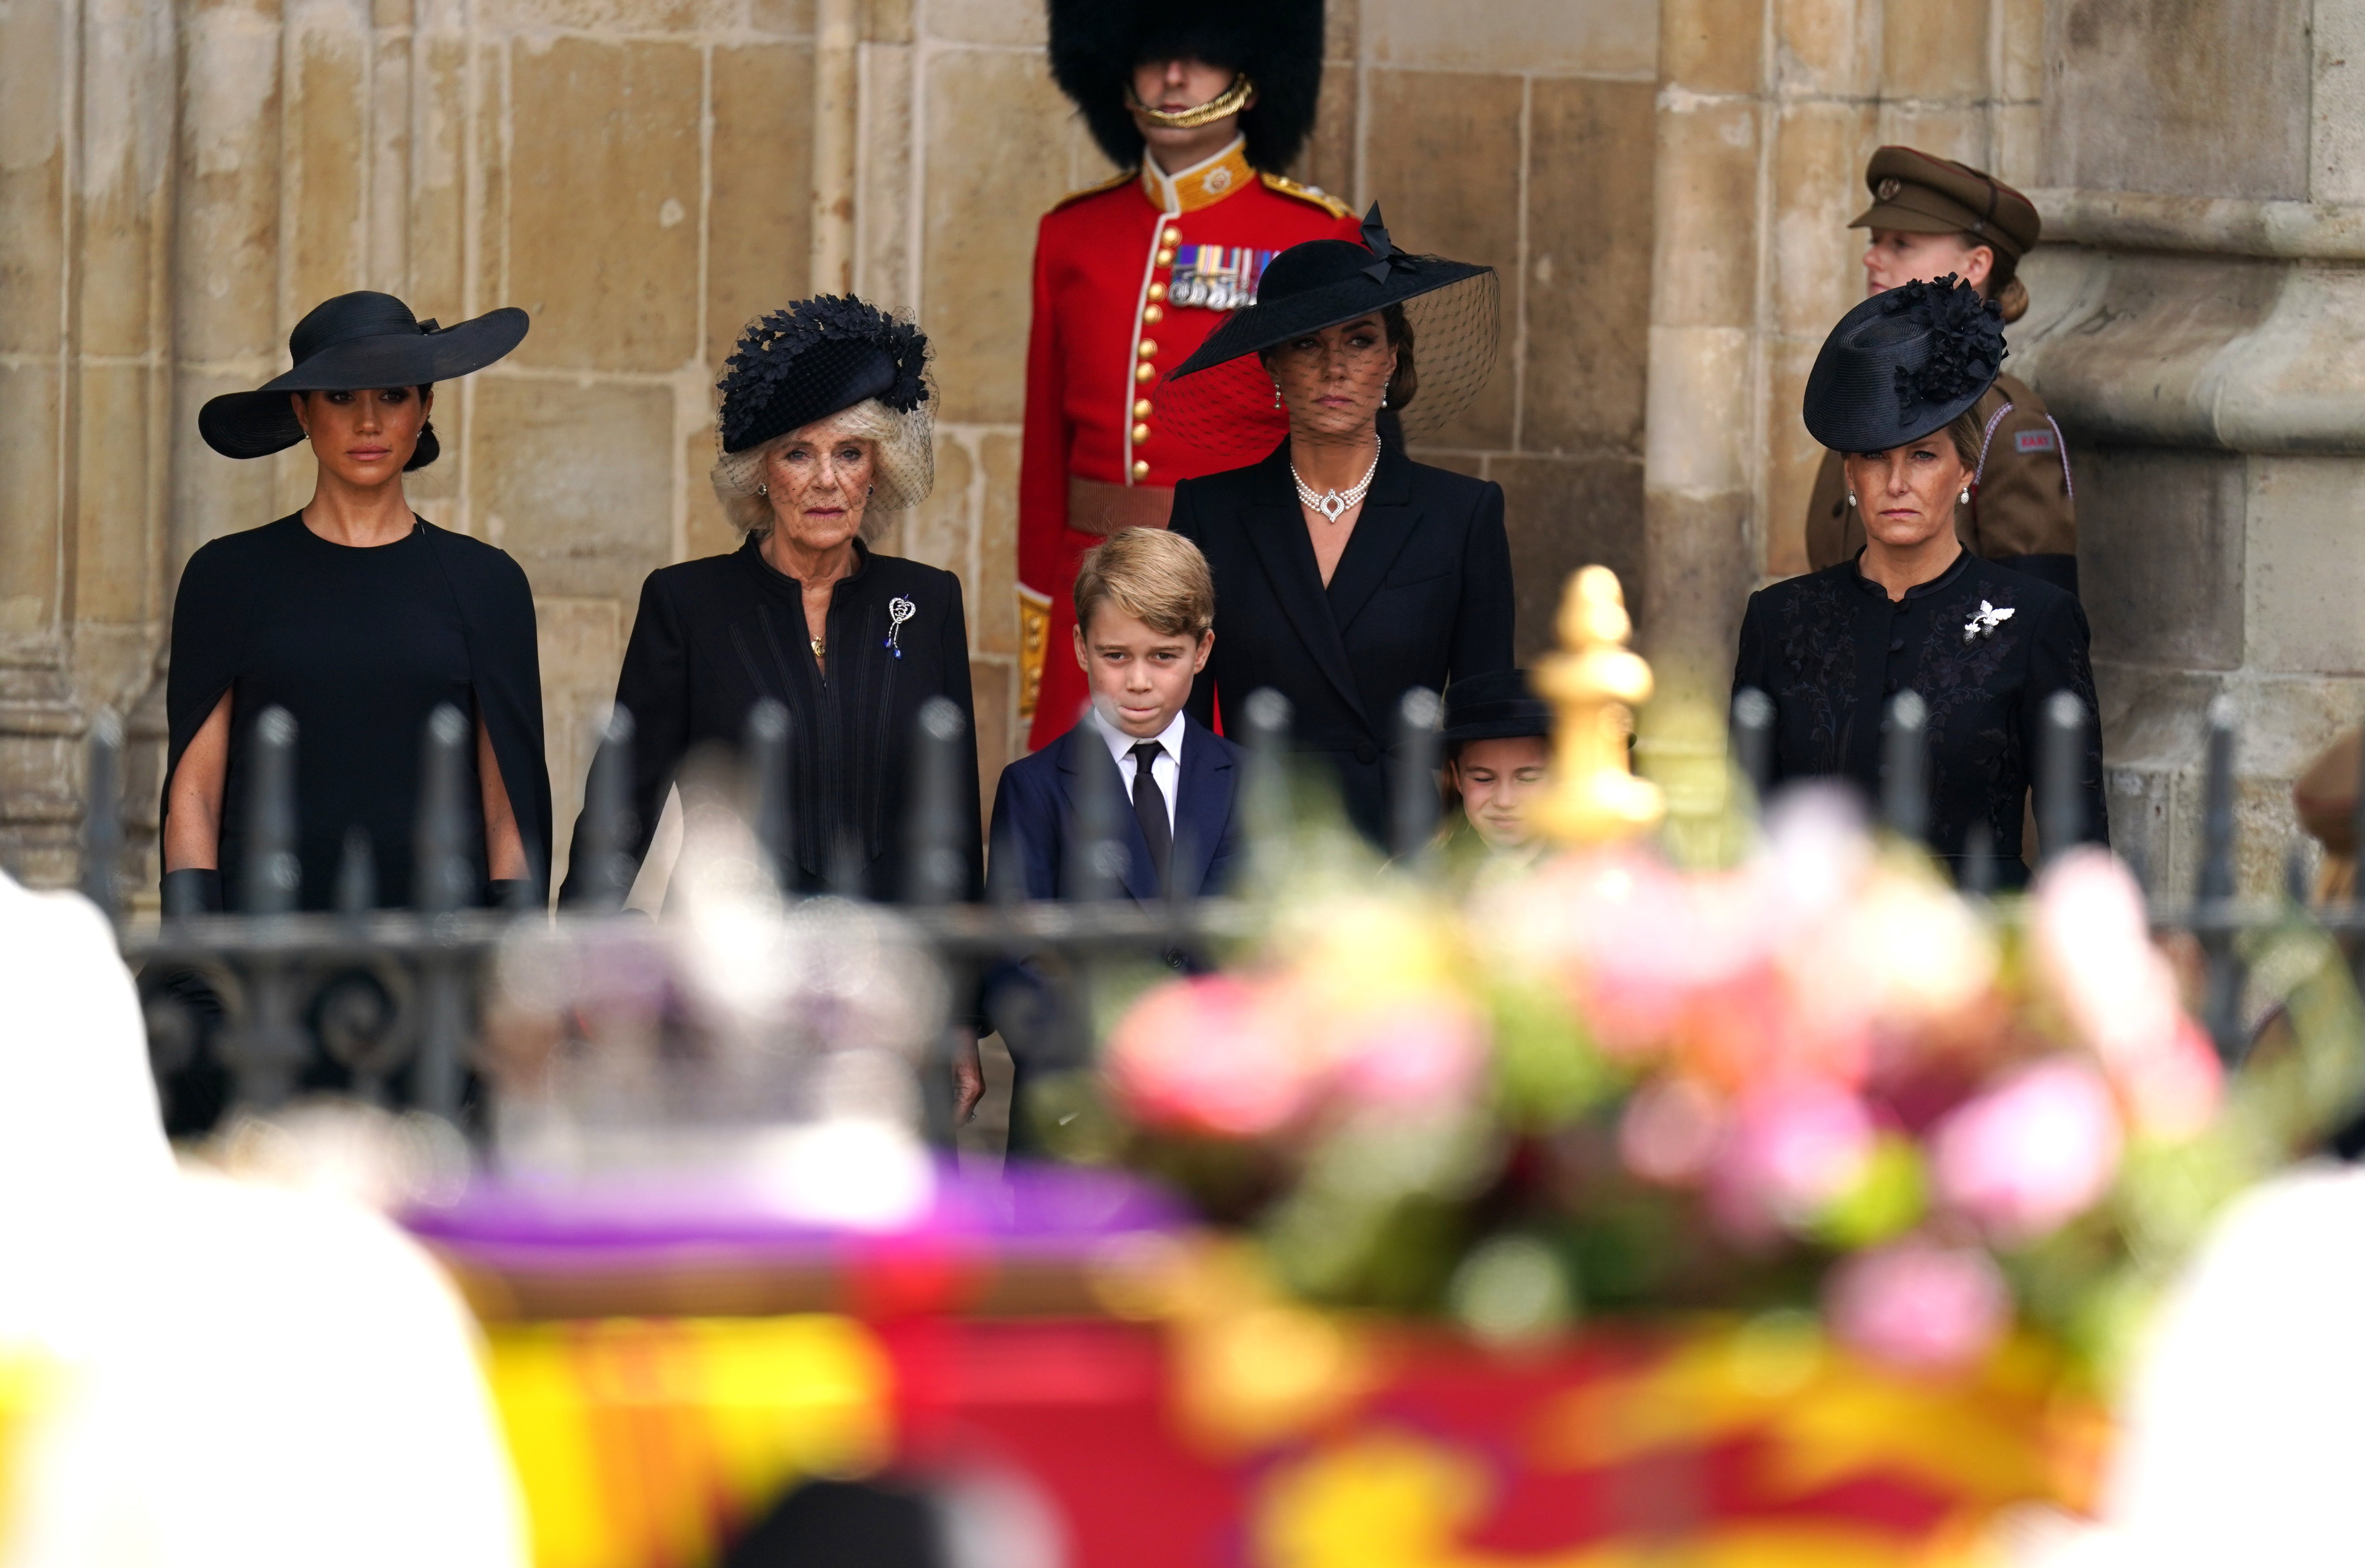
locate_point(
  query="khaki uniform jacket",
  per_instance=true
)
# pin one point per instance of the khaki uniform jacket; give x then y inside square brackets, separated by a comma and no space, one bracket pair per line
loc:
[2022,503]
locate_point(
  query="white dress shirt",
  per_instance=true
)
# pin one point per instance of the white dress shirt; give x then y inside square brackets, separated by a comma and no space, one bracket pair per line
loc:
[1165,768]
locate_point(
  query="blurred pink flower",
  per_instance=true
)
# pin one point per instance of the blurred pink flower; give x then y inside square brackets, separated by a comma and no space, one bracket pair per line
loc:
[2174,1090]
[2094,948]
[1671,1131]
[1424,1055]
[1214,1054]
[1917,1305]
[1792,1151]
[2031,1154]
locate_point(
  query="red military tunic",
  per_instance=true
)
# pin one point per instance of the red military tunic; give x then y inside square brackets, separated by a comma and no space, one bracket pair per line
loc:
[1129,278]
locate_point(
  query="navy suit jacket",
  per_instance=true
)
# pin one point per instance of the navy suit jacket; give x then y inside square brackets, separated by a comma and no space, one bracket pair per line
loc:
[1034,817]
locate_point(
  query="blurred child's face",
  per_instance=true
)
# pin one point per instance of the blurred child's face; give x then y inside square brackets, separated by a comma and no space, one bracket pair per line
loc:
[1140,677]
[1496,780]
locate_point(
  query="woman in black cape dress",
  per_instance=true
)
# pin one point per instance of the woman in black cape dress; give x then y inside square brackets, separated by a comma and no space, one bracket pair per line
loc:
[358,646]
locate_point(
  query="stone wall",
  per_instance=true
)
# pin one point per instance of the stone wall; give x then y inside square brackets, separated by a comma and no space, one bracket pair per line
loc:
[1663,184]
[180,179]
[2199,326]
[1767,112]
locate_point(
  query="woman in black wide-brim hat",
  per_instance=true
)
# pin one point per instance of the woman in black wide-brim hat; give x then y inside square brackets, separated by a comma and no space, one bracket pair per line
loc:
[1981,647]
[1345,573]
[359,620]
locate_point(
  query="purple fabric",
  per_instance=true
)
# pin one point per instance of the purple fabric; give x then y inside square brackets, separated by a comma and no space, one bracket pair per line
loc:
[1036,1212]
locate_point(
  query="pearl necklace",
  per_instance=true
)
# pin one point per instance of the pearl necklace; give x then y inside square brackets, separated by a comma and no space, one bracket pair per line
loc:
[1334,504]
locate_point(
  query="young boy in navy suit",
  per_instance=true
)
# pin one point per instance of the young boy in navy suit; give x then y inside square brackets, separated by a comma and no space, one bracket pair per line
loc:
[1145,620]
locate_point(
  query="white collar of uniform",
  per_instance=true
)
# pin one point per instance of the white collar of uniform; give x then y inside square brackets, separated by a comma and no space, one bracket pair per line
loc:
[1186,188]
[1121,744]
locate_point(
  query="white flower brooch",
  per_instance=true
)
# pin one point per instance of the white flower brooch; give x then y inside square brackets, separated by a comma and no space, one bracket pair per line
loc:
[1985,622]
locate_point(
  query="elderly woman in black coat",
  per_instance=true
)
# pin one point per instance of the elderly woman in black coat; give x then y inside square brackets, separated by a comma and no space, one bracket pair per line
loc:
[824,427]
[1345,573]
[1981,649]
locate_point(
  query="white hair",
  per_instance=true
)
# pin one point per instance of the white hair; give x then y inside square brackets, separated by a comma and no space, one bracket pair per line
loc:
[902,454]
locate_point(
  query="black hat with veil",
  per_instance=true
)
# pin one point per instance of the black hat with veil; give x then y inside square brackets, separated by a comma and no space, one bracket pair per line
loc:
[1441,315]
[822,358]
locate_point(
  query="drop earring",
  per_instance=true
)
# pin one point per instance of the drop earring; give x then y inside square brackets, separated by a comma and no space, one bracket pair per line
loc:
[1851,501]
[1276,394]
[1383,397]
[1967,496]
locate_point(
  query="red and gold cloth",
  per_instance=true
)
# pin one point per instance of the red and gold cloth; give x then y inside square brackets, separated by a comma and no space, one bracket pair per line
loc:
[644,1444]
[1129,279]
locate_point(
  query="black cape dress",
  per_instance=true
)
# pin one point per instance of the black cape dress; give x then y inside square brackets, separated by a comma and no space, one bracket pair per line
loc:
[1983,646]
[714,635]
[359,645]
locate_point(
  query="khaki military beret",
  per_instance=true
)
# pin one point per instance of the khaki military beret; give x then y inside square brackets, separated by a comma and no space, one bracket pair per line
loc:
[1917,194]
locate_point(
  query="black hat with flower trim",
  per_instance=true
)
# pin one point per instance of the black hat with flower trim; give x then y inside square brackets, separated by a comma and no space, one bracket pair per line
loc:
[812,359]
[818,357]
[1905,362]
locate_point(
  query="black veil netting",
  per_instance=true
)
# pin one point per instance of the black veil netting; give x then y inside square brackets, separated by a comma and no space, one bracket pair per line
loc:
[841,360]
[1224,407]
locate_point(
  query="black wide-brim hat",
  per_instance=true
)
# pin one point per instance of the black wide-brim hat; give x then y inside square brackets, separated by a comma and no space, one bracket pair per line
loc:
[1321,283]
[1223,401]
[353,343]
[1499,705]
[1903,364]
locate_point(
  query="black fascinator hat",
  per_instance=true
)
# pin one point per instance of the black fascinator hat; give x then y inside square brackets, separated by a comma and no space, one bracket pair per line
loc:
[1903,364]
[819,357]
[1276,44]
[353,343]
[1443,314]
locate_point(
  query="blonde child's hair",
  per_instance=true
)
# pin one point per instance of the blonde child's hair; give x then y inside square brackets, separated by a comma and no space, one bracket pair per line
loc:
[1159,578]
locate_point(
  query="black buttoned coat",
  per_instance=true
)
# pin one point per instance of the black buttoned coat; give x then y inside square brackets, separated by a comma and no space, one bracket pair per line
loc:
[715,636]
[1984,646]
[1421,596]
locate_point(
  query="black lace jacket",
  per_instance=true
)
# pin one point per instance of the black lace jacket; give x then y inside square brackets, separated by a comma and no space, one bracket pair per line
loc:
[1983,646]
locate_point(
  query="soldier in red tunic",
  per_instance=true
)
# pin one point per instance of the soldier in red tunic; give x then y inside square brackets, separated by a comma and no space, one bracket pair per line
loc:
[1199,101]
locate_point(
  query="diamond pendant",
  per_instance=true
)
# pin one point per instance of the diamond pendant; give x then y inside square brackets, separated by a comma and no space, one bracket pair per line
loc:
[1332,506]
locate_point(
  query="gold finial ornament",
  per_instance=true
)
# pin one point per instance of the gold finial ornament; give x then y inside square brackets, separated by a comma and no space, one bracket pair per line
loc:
[1595,683]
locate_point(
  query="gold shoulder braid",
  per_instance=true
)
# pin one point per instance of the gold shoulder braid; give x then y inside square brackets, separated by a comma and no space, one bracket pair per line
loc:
[1323,200]
[1124,178]
[1033,638]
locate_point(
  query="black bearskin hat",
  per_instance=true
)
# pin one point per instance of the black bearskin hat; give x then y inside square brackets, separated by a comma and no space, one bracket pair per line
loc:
[1277,44]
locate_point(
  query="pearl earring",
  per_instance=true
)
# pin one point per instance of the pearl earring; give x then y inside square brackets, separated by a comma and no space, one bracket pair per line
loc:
[1384,398]
[1967,496]
[1851,501]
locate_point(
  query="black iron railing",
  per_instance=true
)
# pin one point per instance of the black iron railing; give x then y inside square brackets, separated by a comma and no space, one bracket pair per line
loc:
[396,995]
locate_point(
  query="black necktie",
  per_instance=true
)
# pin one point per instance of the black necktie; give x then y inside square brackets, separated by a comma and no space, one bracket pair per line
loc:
[1149,808]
